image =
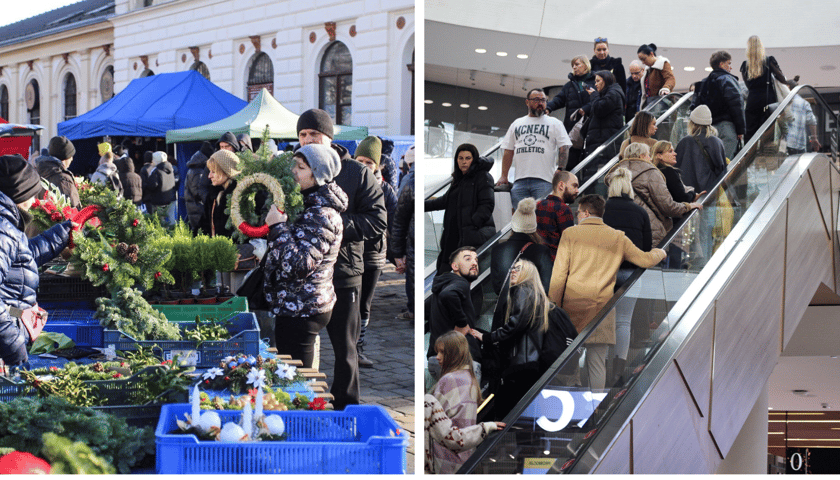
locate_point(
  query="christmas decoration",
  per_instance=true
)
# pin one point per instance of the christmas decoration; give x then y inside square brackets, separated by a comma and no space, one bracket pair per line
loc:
[241,373]
[274,188]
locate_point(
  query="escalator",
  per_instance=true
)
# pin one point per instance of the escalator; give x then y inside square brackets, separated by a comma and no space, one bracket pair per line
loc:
[704,338]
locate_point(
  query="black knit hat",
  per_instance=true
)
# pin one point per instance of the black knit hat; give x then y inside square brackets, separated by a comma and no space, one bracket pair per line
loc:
[18,179]
[316,119]
[147,157]
[207,149]
[61,148]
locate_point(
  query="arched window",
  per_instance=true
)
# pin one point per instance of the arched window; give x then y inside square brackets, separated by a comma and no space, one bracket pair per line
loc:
[106,84]
[335,90]
[201,68]
[32,99]
[4,102]
[260,75]
[69,97]
[147,73]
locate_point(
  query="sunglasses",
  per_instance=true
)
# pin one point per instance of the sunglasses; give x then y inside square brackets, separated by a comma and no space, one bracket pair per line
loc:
[601,40]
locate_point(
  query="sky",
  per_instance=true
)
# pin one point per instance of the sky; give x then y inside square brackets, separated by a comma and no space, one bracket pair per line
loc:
[19,10]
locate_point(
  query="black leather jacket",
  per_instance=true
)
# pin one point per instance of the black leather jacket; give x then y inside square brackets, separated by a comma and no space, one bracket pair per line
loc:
[520,339]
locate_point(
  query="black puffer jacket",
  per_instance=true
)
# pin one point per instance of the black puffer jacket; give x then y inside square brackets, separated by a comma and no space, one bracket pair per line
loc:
[612,65]
[503,255]
[160,187]
[573,96]
[607,109]
[452,307]
[302,255]
[20,258]
[51,169]
[402,228]
[196,188]
[632,97]
[131,182]
[520,338]
[364,218]
[468,209]
[376,249]
[721,93]
[622,213]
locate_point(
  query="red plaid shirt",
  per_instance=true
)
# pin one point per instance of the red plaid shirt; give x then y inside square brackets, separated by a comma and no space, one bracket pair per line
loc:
[553,216]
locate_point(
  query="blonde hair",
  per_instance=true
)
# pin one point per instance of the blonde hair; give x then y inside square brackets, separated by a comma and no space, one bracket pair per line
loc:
[621,182]
[529,275]
[755,57]
[659,148]
[706,130]
[585,60]
[456,356]
[636,150]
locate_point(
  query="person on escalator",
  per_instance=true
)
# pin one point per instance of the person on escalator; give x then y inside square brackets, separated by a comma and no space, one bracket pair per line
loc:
[720,92]
[443,435]
[756,71]
[658,77]
[607,106]
[633,90]
[642,131]
[553,212]
[574,96]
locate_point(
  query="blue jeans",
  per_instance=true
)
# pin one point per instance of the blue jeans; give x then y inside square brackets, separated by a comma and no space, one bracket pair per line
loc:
[528,187]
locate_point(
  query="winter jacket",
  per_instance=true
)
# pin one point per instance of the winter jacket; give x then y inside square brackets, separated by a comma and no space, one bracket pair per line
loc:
[621,213]
[131,182]
[445,441]
[721,93]
[679,191]
[696,170]
[612,65]
[387,165]
[160,187]
[376,249]
[573,96]
[521,337]
[650,142]
[468,209]
[51,169]
[607,116]
[451,307]
[365,217]
[402,227]
[633,97]
[503,255]
[302,255]
[656,77]
[20,258]
[761,89]
[215,219]
[196,188]
[651,193]
[107,175]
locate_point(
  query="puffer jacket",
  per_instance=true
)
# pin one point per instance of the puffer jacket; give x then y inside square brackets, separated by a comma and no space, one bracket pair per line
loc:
[51,169]
[160,188]
[520,339]
[197,188]
[402,228]
[612,65]
[573,96]
[20,258]
[468,209]
[721,93]
[607,116]
[107,175]
[652,194]
[376,249]
[131,182]
[301,256]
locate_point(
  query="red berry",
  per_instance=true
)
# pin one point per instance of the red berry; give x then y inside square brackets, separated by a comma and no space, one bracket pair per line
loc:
[105,268]
[135,223]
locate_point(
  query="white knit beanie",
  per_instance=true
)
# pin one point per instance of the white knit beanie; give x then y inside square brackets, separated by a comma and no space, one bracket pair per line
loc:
[158,157]
[524,219]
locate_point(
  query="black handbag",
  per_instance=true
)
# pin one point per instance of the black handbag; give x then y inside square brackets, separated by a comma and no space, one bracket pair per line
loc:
[253,288]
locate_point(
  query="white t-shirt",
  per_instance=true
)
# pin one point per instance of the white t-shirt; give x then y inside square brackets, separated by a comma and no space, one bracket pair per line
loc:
[535,142]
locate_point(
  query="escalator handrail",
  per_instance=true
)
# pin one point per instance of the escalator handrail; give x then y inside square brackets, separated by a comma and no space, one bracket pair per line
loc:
[538,386]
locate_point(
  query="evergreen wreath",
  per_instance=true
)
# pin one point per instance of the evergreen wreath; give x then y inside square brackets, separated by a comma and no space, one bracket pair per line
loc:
[274,188]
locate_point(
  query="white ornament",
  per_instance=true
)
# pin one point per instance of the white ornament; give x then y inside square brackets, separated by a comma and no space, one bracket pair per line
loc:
[275,425]
[209,421]
[232,433]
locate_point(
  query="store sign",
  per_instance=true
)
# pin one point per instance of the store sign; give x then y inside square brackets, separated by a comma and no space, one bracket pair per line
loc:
[555,409]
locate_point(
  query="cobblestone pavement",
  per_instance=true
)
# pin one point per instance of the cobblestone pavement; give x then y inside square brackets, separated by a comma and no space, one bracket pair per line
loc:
[389,343]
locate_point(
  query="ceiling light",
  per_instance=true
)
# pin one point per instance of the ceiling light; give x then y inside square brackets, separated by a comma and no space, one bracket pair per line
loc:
[501,54]
[428,102]
[482,107]
[480,50]
[465,105]
[445,104]
[708,69]
[522,56]
[828,68]
[688,69]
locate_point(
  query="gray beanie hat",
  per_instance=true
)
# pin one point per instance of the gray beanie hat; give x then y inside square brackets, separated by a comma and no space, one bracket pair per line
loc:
[701,115]
[323,161]
[524,219]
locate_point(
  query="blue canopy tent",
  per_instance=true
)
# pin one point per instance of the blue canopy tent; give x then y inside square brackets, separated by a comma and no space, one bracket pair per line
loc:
[149,107]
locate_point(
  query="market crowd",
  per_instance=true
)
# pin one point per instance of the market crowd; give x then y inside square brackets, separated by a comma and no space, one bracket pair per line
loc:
[552,274]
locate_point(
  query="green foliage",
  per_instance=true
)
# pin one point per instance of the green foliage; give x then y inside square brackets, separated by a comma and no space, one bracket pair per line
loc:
[185,261]
[223,252]
[279,167]
[68,457]
[210,329]
[128,312]
[24,421]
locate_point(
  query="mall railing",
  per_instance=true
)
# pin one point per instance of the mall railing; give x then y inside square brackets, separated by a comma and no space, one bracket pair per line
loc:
[540,437]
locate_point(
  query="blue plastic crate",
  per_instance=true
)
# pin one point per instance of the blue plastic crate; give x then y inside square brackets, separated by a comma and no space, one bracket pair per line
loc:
[362,439]
[245,339]
[79,325]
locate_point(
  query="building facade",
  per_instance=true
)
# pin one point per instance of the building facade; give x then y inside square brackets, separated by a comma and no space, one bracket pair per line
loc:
[353,59]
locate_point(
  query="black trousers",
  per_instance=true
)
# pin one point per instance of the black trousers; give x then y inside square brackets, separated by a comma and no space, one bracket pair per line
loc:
[369,280]
[295,336]
[343,330]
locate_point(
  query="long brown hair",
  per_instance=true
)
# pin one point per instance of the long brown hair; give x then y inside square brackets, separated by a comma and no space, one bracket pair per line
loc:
[456,356]
[641,124]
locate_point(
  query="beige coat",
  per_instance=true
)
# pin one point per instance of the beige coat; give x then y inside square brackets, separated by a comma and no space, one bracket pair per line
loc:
[584,272]
[652,194]
[650,142]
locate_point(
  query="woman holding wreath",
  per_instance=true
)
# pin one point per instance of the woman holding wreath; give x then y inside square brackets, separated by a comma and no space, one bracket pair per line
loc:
[301,255]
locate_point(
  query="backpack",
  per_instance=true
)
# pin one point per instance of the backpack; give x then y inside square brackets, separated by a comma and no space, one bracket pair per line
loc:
[709,94]
[560,334]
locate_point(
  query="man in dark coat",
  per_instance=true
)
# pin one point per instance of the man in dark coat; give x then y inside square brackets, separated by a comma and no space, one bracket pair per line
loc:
[364,218]
[452,306]
[720,92]
[633,90]
[402,241]
[228,141]
[198,185]
[54,168]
